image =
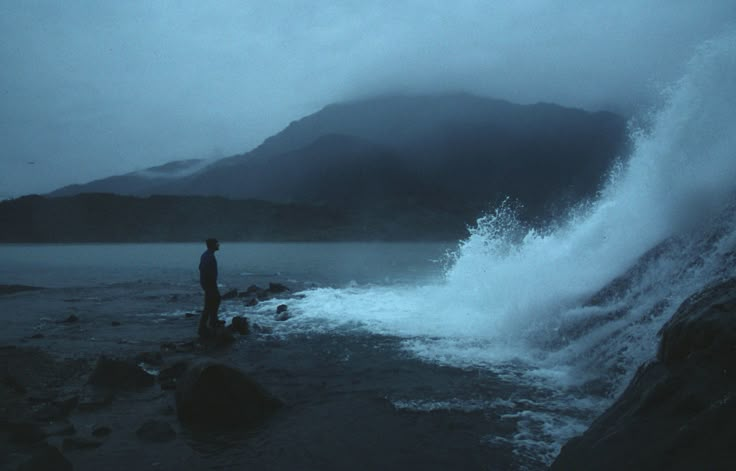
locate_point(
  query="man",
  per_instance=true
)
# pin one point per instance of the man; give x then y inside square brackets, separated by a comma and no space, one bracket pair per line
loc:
[208,281]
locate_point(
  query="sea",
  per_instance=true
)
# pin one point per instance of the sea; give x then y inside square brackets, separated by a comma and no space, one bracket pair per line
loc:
[564,314]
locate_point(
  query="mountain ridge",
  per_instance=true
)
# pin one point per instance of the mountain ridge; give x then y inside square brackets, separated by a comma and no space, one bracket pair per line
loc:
[461,149]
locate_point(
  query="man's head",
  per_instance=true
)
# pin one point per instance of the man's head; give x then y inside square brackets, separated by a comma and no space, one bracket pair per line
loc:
[212,244]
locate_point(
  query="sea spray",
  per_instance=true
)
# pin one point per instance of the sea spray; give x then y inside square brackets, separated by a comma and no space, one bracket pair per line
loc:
[577,307]
[514,287]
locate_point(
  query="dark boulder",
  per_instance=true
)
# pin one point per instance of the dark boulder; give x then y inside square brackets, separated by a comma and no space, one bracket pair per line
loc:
[70,320]
[282,312]
[678,411]
[46,458]
[277,288]
[112,373]
[232,294]
[251,302]
[215,394]
[239,324]
[220,336]
[254,291]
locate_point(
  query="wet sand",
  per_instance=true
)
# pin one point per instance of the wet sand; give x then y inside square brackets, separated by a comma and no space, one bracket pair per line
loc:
[342,393]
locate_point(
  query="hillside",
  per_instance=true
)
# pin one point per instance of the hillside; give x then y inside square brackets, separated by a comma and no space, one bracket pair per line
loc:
[451,152]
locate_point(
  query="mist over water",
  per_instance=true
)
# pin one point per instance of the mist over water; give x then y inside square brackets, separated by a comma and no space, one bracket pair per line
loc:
[581,302]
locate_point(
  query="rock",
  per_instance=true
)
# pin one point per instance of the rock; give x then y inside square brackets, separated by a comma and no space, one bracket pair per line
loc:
[239,324]
[71,319]
[190,315]
[211,393]
[114,373]
[37,336]
[156,431]
[704,328]
[217,337]
[46,458]
[251,302]
[78,443]
[277,288]
[678,411]
[282,313]
[232,294]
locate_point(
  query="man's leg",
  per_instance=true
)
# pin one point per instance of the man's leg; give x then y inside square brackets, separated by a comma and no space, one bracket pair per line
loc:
[202,330]
[214,306]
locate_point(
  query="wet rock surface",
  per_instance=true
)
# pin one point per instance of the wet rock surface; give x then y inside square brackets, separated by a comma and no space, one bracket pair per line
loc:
[678,411]
[337,393]
[210,393]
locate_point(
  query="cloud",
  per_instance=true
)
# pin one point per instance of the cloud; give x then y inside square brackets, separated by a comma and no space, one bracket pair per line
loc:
[96,88]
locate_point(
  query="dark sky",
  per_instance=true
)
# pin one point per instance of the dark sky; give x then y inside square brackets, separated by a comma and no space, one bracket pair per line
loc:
[91,88]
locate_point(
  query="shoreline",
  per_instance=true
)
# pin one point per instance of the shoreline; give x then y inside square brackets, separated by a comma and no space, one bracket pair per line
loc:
[340,394]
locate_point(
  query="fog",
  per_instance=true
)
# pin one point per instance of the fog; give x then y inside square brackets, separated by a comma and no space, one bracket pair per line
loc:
[91,89]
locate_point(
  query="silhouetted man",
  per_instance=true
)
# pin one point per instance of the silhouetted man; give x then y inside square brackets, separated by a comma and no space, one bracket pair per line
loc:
[208,281]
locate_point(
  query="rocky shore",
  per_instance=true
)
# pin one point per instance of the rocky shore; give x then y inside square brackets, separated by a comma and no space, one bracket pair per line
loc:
[109,388]
[679,410]
[116,387]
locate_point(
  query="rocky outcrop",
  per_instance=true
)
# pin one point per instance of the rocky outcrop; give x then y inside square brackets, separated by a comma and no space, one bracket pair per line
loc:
[679,410]
[214,394]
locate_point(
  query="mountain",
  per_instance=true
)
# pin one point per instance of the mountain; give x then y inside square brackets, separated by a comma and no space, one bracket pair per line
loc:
[451,153]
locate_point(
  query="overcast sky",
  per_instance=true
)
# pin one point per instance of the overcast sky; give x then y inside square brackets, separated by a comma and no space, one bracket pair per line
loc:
[95,88]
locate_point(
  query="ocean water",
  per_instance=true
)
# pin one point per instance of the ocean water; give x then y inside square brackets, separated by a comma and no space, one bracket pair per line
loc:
[240,264]
[566,312]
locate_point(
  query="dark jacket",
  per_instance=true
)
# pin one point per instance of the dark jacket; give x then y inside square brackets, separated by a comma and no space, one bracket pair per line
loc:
[208,270]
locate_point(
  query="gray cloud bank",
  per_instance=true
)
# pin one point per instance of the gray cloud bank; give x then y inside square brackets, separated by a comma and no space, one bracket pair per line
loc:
[91,89]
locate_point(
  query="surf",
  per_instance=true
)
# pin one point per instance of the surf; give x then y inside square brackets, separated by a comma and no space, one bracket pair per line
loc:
[575,307]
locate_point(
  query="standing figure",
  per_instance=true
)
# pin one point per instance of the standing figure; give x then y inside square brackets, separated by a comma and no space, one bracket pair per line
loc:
[208,281]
